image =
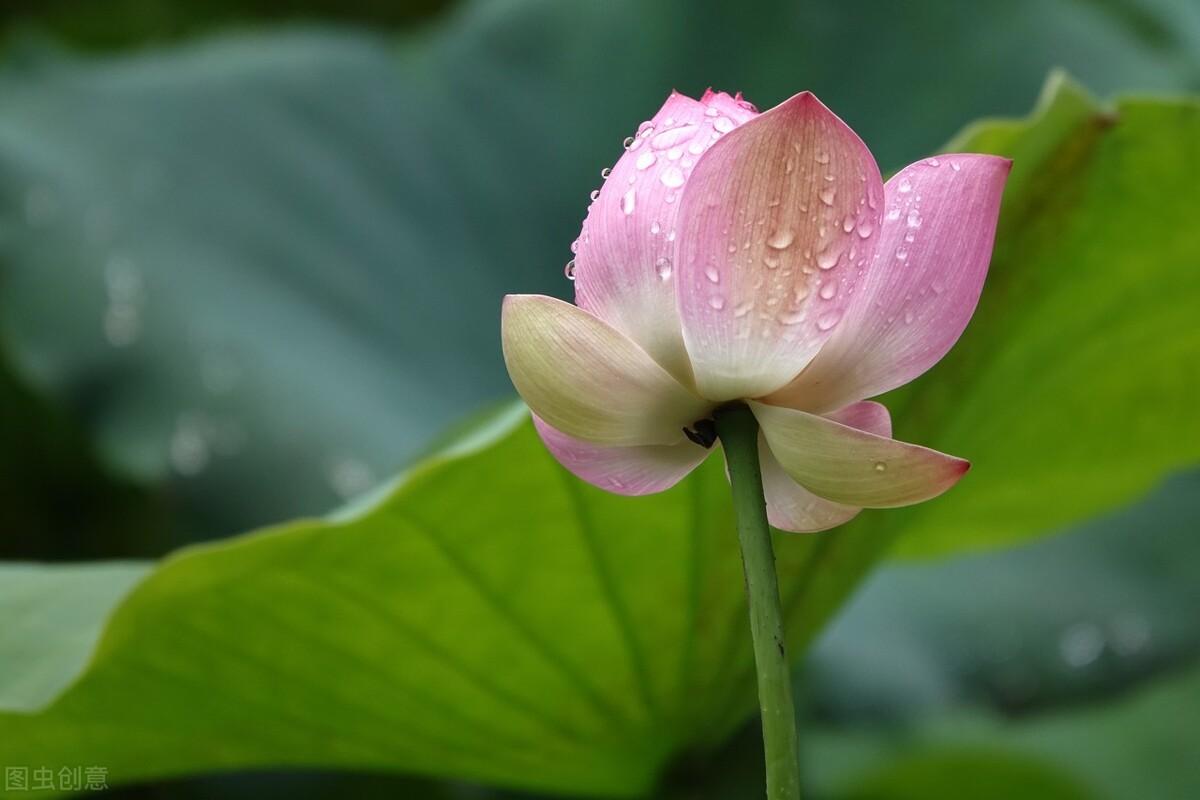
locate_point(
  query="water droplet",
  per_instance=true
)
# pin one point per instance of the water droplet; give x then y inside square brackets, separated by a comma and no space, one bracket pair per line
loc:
[575,246]
[827,195]
[742,309]
[901,254]
[712,274]
[827,320]
[822,157]
[673,137]
[781,239]
[595,195]
[865,229]
[710,112]
[604,173]
[717,302]
[670,198]
[933,162]
[672,177]
[937,287]
[655,228]
[788,166]
[905,186]
[894,214]
[954,166]
[791,317]
[880,466]
[910,237]
[645,129]
[914,218]
[771,260]
[696,147]
[675,153]
[628,143]
[828,290]
[828,258]
[848,223]
[349,477]
[723,124]
[627,202]
[671,236]
[645,160]
[188,448]
[1081,644]
[663,268]
[569,270]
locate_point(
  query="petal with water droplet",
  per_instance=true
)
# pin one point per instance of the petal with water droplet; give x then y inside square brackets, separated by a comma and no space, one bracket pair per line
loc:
[631,471]
[839,462]
[745,212]
[588,379]
[617,263]
[918,294]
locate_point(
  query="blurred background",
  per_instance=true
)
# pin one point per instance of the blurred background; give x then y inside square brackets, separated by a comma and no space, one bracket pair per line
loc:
[251,256]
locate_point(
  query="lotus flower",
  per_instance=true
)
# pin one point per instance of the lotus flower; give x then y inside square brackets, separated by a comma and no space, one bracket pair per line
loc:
[737,256]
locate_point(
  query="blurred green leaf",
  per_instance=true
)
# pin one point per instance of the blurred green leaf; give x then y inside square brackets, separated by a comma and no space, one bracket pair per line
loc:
[954,774]
[1056,621]
[1141,745]
[410,633]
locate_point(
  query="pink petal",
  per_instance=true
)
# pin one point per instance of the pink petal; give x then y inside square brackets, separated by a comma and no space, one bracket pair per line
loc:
[922,286]
[777,222]
[624,256]
[791,507]
[622,470]
[851,466]
[588,379]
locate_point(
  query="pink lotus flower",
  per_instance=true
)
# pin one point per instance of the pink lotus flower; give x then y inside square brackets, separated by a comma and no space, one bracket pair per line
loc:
[738,256]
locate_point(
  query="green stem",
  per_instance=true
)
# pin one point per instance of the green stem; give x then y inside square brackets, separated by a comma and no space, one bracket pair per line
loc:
[738,431]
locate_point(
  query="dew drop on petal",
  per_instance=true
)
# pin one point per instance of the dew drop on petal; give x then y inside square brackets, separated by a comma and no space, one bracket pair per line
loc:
[595,195]
[848,223]
[672,177]
[717,302]
[712,274]
[628,143]
[938,287]
[827,195]
[791,317]
[828,290]
[771,260]
[742,309]
[822,157]
[569,270]
[663,268]
[655,228]
[828,258]
[723,124]
[627,202]
[827,320]
[901,254]
[954,166]
[645,160]
[604,173]
[894,214]
[933,162]
[781,239]
[905,186]
[914,218]
[880,466]
[673,137]
[865,229]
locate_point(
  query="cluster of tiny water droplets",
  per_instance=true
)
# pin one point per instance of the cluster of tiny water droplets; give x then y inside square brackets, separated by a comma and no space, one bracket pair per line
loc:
[668,151]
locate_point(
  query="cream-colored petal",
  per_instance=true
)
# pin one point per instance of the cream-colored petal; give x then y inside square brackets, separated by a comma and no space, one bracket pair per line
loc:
[588,379]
